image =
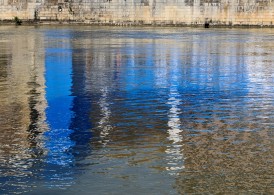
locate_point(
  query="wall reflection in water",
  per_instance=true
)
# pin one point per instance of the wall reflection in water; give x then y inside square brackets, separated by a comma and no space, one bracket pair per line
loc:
[103,110]
[22,105]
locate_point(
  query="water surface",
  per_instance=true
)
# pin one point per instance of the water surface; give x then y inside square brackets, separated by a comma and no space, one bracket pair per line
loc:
[104,110]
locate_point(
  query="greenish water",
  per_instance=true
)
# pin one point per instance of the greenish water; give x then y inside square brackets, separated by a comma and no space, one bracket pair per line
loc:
[106,110]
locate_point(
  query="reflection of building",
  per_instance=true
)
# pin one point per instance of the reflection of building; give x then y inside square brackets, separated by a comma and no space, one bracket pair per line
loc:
[23,102]
[91,89]
[226,147]
[169,108]
[81,123]
[136,110]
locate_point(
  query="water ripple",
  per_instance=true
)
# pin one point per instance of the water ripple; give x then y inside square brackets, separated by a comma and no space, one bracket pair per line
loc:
[136,110]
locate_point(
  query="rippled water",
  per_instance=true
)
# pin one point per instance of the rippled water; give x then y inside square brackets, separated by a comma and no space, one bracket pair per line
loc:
[103,110]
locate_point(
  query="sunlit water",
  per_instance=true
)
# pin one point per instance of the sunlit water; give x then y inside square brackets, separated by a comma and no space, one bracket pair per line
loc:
[91,110]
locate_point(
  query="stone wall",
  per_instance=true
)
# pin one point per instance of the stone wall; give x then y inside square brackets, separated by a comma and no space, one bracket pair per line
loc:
[158,12]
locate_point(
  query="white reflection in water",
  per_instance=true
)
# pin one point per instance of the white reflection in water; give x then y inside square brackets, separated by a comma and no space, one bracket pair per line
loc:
[174,150]
[104,124]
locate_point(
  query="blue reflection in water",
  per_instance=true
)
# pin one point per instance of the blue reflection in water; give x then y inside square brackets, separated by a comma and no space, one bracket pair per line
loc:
[81,107]
[177,92]
[58,113]
[67,113]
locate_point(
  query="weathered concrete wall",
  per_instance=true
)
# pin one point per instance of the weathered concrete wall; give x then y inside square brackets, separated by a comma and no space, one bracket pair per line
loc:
[23,9]
[160,12]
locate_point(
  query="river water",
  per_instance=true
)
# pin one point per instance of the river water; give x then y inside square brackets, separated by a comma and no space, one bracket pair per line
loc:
[111,110]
